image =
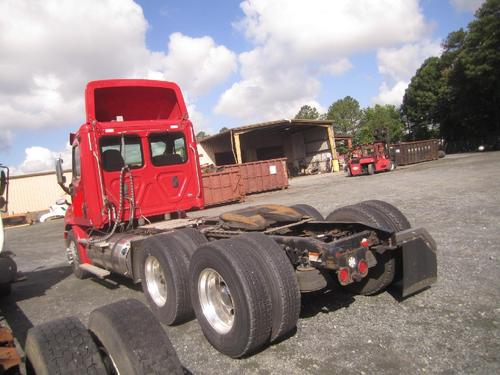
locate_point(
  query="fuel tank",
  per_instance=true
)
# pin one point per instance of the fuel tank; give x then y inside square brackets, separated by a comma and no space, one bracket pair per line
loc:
[114,254]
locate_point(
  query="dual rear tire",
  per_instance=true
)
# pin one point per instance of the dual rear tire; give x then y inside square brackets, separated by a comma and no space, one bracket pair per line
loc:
[385,216]
[244,293]
[165,273]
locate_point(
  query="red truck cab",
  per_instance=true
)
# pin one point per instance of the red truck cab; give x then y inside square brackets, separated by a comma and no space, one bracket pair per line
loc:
[137,142]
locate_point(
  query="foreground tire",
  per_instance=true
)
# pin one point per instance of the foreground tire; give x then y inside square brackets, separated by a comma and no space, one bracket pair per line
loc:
[74,256]
[308,210]
[5,289]
[230,298]
[61,347]
[382,274]
[132,341]
[8,272]
[280,281]
[165,279]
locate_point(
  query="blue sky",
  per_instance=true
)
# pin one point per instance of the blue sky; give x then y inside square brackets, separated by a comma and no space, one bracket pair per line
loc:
[237,62]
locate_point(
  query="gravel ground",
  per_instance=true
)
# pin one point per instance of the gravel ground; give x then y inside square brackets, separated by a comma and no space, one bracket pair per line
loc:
[453,327]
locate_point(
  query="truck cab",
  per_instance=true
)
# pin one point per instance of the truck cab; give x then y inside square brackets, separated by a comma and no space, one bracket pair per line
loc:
[134,157]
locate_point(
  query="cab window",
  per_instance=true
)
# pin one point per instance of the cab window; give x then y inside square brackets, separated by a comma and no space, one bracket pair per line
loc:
[115,154]
[167,148]
[76,161]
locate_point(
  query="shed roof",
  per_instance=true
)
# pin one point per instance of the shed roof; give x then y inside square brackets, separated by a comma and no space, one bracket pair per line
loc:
[271,124]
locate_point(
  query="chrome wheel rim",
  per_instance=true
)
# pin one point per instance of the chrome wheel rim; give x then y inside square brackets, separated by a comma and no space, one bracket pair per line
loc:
[216,301]
[155,281]
[71,254]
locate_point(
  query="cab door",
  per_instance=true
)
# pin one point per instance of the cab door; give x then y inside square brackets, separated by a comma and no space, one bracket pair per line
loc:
[78,208]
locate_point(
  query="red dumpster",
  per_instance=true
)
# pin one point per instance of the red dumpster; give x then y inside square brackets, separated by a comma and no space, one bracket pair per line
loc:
[264,175]
[223,187]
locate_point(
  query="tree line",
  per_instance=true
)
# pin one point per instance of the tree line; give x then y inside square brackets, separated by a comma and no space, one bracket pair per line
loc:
[455,96]
[380,122]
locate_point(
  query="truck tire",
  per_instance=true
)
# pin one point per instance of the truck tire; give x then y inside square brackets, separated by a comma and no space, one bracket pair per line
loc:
[132,340]
[62,346]
[280,281]
[398,220]
[392,166]
[5,289]
[190,238]
[382,274]
[165,279]
[72,251]
[230,298]
[308,210]
[8,271]
[371,169]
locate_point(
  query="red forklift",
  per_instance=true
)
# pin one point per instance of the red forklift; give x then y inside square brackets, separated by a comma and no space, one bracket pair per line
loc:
[368,159]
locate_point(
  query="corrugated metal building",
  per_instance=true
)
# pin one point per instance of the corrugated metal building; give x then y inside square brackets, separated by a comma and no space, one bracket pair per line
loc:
[34,192]
[307,144]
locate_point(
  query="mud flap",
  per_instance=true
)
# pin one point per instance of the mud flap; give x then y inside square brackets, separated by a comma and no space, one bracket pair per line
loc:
[419,261]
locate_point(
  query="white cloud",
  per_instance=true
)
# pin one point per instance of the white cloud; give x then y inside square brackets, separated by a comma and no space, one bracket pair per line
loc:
[398,66]
[326,28]
[197,64]
[338,67]
[297,41]
[5,139]
[402,63]
[42,159]
[391,95]
[466,5]
[49,50]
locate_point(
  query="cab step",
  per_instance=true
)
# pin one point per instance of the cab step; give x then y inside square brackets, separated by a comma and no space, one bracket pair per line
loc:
[98,271]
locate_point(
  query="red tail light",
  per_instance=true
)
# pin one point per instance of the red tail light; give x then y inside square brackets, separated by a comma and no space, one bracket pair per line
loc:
[362,267]
[343,275]
[365,242]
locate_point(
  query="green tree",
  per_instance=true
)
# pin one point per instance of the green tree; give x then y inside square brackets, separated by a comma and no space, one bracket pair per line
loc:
[473,96]
[420,105]
[307,112]
[460,90]
[345,114]
[380,123]
[223,129]
[200,135]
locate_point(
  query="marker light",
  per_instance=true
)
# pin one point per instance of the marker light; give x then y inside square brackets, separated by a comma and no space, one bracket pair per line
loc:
[343,275]
[362,267]
[364,242]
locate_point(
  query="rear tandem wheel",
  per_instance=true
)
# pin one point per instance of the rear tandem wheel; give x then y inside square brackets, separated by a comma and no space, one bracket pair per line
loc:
[230,297]
[383,273]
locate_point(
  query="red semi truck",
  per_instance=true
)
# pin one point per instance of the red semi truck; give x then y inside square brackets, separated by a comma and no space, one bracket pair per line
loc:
[136,173]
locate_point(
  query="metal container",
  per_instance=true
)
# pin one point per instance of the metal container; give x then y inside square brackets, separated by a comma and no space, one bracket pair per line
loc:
[415,152]
[264,175]
[223,187]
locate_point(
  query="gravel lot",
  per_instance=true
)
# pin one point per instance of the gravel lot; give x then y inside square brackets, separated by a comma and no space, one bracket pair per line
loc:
[453,327]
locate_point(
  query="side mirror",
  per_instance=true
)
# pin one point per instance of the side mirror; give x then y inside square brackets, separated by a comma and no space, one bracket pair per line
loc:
[61,178]
[3,182]
[4,177]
